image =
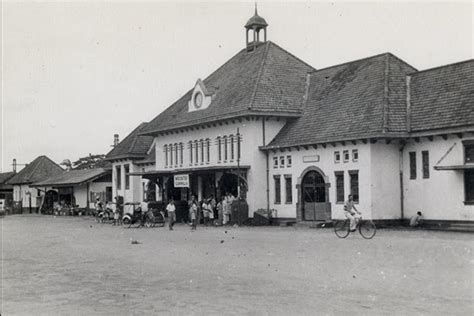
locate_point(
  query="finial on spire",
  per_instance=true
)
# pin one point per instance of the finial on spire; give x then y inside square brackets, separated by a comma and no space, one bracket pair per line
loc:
[256,12]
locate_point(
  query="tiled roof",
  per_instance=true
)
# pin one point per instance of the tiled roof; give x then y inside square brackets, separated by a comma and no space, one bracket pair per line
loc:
[3,179]
[132,146]
[39,169]
[443,97]
[5,176]
[150,157]
[74,177]
[265,80]
[360,99]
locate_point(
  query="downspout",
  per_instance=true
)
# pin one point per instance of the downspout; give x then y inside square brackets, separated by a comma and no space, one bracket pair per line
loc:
[267,170]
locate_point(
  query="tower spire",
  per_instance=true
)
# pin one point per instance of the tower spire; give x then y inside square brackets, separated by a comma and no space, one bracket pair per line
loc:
[254,25]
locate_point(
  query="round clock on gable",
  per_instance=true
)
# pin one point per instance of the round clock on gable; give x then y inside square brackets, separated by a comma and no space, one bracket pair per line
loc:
[198,100]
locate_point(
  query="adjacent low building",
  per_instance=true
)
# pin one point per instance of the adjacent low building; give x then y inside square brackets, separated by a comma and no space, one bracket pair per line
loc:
[76,188]
[27,198]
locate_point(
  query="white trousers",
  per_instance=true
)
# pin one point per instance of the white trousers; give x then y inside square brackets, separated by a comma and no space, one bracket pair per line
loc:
[353,218]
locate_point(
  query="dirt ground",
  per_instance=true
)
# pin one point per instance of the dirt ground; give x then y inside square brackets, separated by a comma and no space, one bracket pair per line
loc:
[74,266]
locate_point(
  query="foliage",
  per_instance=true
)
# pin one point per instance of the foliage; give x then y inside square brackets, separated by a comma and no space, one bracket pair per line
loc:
[89,162]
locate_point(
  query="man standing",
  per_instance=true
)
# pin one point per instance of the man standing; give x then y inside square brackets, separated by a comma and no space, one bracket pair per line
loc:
[351,212]
[171,209]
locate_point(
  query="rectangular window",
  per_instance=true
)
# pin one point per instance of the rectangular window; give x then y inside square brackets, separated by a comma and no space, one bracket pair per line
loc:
[219,149]
[127,176]
[337,157]
[277,189]
[196,151]
[181,149]
[288,190]
[165,150]
[412,155]
[345,155]
[171,154]
[190,153]
[201,142]
[208,150]
[239,138]
[339,186]
[118,177]
[355,155]
[469,151]
[275,162]
[231,140]
[288,161]
[354,177]
[469,186]
[282,161]
[225,148]
[426,164]
[176,154]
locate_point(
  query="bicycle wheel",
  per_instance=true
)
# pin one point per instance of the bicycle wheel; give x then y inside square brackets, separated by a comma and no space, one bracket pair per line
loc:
[341,228]
[367,229]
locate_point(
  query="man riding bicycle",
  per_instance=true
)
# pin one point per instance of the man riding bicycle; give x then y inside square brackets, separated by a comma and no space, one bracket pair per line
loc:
[352,213]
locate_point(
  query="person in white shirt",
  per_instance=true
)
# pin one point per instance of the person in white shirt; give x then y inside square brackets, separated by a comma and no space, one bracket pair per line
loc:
[171,209]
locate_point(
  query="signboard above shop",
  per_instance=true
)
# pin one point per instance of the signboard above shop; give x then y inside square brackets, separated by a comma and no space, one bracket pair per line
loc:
[181,181]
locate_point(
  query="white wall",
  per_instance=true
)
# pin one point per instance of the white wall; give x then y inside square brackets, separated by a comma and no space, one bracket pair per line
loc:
[134,192]
[385,180]
[23,192]
[329,167]
[252,137]
[441,196]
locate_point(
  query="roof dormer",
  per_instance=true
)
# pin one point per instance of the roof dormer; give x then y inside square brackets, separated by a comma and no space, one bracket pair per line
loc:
[201,97]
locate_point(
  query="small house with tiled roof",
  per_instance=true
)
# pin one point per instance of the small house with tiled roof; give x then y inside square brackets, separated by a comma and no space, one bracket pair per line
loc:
[26,197]
[284,136]
[132,154]
[6,191]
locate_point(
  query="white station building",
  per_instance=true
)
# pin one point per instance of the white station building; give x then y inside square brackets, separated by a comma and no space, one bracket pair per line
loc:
[286,136]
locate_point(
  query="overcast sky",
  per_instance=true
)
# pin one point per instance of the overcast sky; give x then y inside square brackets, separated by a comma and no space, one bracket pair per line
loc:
[75,73]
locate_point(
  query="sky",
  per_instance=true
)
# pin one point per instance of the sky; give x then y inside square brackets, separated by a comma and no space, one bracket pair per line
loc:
[74,73]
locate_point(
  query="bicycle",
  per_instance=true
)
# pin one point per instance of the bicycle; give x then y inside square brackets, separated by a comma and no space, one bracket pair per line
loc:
[366,228]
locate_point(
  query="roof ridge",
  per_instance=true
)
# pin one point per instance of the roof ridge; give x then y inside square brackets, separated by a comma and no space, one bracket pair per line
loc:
[348,62]
[259,76]
[401,60]
[442,66]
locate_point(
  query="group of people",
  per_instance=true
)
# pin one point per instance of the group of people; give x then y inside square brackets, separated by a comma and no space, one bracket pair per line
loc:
[211,211]
[111,210]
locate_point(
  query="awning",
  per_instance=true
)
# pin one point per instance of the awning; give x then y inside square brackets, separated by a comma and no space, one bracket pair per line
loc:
[456,167]
[188,170]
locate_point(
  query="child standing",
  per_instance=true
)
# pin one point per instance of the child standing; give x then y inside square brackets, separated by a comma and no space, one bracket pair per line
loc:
[193,214]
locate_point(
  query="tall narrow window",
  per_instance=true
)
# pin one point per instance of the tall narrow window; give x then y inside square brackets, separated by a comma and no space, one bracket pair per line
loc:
[208,150]
[127,176]
[181,153]
[171,154]
[339,186]
[275,162]
[468,174]
[176,152]
[118,177]
[225,148]
[412,155]
[276,179]
[201,142]
[196,148]
[219,149]
[231,141]
[354,177]
[239,139]
[425,156]
[165,150]
[288,190]
[191,153]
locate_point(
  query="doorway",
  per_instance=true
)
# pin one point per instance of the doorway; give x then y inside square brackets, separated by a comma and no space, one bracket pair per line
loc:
[315,197]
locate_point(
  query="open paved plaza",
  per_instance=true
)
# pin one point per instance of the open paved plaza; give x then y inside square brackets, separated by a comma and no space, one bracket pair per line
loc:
[75,266]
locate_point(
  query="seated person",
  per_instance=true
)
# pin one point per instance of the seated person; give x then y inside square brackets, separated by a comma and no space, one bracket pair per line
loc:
[416,220]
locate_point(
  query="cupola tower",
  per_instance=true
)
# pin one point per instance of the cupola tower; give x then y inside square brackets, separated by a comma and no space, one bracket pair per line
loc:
[254,25]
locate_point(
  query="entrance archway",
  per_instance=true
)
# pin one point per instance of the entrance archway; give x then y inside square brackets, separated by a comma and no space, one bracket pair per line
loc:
[313,193]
